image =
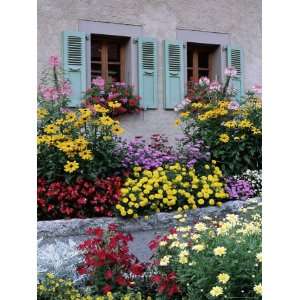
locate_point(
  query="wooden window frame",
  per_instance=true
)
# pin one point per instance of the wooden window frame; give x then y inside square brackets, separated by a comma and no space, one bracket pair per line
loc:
[104,62]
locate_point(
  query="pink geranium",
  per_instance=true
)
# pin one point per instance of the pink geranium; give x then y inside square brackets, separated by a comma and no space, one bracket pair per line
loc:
[215,86]
[99,81]
[230,72]
[54,61]
[204,81]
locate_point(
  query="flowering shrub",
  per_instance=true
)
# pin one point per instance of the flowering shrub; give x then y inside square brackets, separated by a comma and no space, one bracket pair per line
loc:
[83,199]
[171,187]
[232,132]
[254,178]
[117,97]
[107,261]
[75,142]
[53,91]
[138,153]
[216,261]
[54,288]
[238,189]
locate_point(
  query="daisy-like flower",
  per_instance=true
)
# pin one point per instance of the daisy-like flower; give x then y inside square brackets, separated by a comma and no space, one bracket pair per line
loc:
[71,166]
[216,291]
[258,289]
[223,278]
[200,227]
[117,130]
[224,138]
[198,247]
[220,251]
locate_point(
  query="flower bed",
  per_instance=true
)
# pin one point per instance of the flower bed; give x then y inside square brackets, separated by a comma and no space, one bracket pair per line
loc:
[64,236]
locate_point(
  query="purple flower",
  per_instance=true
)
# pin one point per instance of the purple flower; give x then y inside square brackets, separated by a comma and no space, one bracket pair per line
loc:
[233,105]
[238,189]
[215,86]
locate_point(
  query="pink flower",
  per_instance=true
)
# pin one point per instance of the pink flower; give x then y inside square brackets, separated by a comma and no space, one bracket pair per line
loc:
[215,86]
[99,81]
[257,89]
[65,89]
[54,61]
[204,81]
[230,72]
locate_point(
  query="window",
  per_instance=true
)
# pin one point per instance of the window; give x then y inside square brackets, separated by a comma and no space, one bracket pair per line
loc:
[199,60]
[108,57]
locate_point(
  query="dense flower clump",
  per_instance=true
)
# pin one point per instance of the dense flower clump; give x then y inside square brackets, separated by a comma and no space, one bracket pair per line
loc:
[83,199]
[138,153]
[169,188]
[117,97]
[107,260]
[239,189]
[254,177]
[217,260]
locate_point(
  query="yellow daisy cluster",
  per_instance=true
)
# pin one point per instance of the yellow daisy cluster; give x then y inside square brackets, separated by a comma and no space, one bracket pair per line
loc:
[169,188]
[70,133]
[42,113]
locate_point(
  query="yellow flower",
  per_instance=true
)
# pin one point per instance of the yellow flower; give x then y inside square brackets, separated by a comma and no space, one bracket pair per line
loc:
[71,166]
[200,227]
[198,247]
[86,155]
[107,138]
[216,291]
[258,289]
[245,124]
[51,128]
[230,124]
[117,130]
[100,109]
[70,117]
[224,138]
[114,104]
[106,121]
[67,146]
[165,260]
[220,251]
[81,143]
[184,114]
[177,122]
[42,113]
[255,130]
[183,257]
[223,278]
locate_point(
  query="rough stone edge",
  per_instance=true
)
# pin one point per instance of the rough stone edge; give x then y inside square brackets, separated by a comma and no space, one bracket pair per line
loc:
[77,227]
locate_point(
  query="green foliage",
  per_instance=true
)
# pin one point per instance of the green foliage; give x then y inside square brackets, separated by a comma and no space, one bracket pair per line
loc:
[232,132]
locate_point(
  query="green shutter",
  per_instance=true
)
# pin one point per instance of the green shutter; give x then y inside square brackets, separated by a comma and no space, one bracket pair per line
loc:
[147,71]
[235,58]
[174,73]
[74,63]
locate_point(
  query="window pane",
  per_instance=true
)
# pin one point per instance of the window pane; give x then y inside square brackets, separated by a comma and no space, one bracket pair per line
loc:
[114,73]
[189,58]
[113,52]
[203,60]
[203,73]
[95,50]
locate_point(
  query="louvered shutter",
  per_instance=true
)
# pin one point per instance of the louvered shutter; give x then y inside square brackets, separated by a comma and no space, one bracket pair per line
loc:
[147,70]
[74,63]
[235,58]
[174,73]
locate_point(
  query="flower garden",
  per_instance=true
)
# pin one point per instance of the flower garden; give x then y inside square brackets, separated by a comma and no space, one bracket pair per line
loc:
[87,170]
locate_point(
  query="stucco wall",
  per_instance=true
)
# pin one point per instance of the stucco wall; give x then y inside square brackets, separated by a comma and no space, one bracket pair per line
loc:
[241,19]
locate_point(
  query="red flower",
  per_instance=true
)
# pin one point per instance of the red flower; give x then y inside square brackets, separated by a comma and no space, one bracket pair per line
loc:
[120,280]
[137,269]
[108,274]
[107,288]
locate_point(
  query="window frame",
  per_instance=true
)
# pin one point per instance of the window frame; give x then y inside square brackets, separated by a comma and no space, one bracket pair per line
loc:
[131,31]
